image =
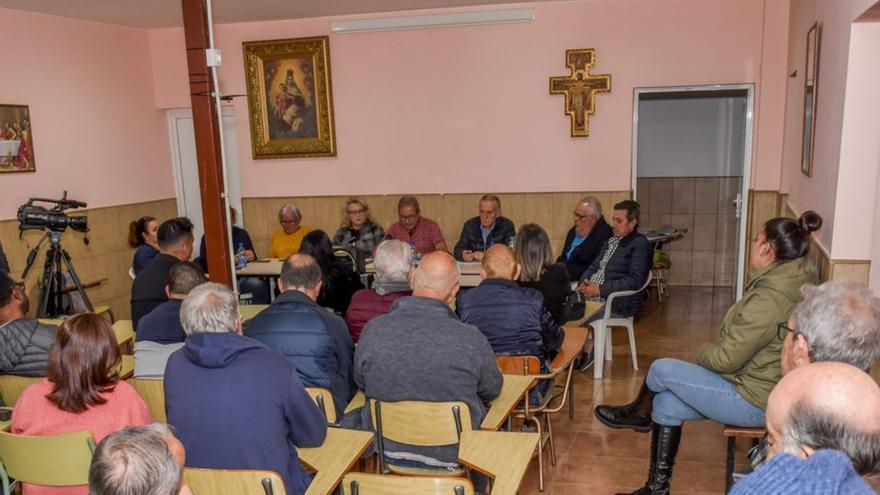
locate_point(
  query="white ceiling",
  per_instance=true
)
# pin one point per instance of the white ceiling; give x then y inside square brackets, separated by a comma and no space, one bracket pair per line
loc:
[167,13]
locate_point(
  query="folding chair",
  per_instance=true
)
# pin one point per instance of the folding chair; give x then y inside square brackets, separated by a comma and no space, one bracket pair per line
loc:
[375,484]
[51,460]
[233,482]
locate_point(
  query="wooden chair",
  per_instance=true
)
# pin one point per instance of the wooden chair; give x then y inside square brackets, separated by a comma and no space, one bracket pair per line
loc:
[375,484]
[153,393]
[52,460]
[659,271]
[248,311]
[233,482]
[731,433]
[602,331]
[322,396]
[124,331]
[12,386]
[424,424]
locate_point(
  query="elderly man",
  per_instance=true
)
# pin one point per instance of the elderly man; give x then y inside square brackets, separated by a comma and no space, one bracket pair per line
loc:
[234,403]
[314,340]
[483,231]
[421,351]
[147,460]
[287,240]
[624,265]
[585,240]
[393,265]
[24,342]
[160,331]
[422,234]
[823,406]
[148,289]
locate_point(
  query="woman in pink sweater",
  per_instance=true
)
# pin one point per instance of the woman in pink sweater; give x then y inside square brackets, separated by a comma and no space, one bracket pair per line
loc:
[82,391]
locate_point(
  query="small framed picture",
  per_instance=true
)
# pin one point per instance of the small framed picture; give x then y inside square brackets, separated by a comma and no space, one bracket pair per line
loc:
[16,139]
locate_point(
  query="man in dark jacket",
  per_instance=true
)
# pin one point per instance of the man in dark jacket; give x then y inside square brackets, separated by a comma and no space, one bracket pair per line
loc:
[148,289]
[24,342]
[257,287]
[421,351]
[481,232]
[316,341]
[624,265]
[585,240]
[234,403]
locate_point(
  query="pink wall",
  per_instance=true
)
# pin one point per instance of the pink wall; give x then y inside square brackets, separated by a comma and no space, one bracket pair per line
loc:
[96,132]
[468,110]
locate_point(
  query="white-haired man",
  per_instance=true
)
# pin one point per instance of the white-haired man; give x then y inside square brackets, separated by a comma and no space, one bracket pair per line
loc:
[393,263]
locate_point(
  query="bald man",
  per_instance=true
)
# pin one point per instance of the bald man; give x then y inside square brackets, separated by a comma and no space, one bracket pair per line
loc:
[421,351]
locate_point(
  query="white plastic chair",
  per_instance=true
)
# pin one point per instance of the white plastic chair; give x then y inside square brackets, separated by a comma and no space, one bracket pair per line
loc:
[131,272]
[602,331]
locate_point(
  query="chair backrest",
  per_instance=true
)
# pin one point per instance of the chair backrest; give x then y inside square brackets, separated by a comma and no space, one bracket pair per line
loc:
[131,272]
[12,386]
[324,400]
[52,460]
[519,365]
[426,424]
[374,484]
[625,293]
[124,331]
[153,393]
[233,482]
[249,311]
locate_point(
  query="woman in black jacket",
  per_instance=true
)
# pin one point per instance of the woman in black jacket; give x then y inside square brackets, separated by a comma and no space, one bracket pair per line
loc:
[340,281]
[535,256]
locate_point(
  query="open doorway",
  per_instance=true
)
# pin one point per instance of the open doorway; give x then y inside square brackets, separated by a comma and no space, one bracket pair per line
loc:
[691,163]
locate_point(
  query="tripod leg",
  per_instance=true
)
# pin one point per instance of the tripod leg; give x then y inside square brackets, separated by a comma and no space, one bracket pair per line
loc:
[76,281]
[46,284]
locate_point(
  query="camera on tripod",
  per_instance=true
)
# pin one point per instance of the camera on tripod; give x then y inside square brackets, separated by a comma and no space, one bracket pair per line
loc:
[35,217]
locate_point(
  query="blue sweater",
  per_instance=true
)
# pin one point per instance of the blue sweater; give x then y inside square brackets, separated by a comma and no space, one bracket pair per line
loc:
[235,404]
[162,324]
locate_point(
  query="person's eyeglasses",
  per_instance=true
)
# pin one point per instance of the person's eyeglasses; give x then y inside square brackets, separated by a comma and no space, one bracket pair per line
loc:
[356,212]
[289,222]
[578,216]
[408,217]
[782,329]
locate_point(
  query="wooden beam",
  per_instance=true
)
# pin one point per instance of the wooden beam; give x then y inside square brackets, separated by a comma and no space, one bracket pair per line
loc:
[206,124]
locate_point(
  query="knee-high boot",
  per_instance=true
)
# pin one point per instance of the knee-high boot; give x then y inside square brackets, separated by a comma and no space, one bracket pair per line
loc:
[664,447]
[636,415]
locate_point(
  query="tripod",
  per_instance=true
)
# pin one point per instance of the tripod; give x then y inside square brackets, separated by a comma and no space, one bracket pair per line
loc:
[52,282]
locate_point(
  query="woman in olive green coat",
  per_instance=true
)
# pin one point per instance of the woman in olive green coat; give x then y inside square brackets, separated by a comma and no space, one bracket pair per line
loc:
[734,374]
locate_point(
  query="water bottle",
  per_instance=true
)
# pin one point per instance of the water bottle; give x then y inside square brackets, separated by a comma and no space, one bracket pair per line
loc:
[240,255]
[510,242]
[415,255]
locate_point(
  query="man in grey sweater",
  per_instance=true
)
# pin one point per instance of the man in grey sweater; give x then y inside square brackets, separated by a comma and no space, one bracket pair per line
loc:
[24,342]
[421,351]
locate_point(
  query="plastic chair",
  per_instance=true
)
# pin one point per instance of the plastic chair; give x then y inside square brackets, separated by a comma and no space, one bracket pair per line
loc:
[322,396]
[131,272]
[602,329]
[233,482]
[51,460]
[424,424]
[153,393]
[375,484]
[11,387]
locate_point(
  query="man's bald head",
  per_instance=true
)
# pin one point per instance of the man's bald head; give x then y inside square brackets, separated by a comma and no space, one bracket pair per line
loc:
[500,262]
[436,277]
[827,405]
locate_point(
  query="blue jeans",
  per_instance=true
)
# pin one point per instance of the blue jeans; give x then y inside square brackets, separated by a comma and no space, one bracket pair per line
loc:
[688,391]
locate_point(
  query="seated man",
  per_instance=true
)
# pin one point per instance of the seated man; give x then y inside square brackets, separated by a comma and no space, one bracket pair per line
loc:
[393,265]
[585,240]
[481,232]
[314,340]
[234,403]
[257,287]
[146,460]
[624,265]
[422,234]
[148,289]
[824,406]
[823,473]
[24,342]
[421,351]
[160,331]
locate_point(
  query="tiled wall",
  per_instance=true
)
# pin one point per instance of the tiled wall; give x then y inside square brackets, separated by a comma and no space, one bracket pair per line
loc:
[706,256]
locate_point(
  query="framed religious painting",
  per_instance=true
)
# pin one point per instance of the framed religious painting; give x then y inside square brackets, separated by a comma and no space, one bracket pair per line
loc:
[811,79]
[16,139]
[290,98]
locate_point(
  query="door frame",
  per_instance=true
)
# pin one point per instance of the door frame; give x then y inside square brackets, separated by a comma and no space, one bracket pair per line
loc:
[749,88]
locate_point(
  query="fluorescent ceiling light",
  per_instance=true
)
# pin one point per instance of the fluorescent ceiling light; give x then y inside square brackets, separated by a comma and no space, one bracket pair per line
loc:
[432,21]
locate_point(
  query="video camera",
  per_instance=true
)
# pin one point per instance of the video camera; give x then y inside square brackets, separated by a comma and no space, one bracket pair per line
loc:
[36,217]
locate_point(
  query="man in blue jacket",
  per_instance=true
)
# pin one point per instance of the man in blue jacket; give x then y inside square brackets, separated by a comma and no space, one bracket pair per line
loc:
[234,403]
[315,340]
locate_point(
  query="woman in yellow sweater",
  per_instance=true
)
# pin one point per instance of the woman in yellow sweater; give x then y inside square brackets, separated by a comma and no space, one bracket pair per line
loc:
[287,239]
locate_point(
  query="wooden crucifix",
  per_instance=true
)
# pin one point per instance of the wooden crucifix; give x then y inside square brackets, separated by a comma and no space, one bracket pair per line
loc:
[580,88]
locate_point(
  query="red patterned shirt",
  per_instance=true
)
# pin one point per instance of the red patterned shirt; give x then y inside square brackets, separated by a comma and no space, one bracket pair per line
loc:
[423,238]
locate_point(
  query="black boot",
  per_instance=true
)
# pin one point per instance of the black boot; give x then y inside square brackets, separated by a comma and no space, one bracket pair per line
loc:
[664,447]
[636,415]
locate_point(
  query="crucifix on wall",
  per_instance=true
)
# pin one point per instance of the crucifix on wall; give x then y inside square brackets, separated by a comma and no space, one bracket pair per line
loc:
[580,88]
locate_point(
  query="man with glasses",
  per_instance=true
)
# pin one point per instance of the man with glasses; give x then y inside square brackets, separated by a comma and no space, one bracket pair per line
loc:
[422,234]
[585,239]
[482,232]
[24,342]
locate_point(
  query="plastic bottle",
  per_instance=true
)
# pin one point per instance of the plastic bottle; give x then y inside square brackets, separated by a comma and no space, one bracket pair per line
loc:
[415,254]
[240,255]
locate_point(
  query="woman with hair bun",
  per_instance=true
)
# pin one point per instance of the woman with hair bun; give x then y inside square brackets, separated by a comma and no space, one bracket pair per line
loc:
[733,375]
[142,237]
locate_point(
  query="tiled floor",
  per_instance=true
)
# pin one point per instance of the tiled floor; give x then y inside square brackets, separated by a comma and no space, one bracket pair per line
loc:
[593,459]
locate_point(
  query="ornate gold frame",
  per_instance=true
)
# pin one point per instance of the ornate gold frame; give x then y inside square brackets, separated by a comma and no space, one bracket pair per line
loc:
[317,50]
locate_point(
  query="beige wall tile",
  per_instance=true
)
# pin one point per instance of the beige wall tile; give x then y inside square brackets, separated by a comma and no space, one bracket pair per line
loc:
[686,243]
[683,196]
[725,269]
[704,232]
[661,196]
[643,194]
[706,194]
[853,272]
[703,268]
[680,267]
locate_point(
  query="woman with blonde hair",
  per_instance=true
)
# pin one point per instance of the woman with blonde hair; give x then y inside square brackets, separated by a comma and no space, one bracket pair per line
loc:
[358,230]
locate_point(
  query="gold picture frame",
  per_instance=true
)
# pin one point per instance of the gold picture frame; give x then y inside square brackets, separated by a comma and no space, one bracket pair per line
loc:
[16,139]
[290,98]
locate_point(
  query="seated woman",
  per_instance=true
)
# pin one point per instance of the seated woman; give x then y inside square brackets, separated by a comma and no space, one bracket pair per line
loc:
[81,392]
[393,266]
[287,239]
[142,237]
[358,230]
[340,281]
[535,256]
[734,375]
